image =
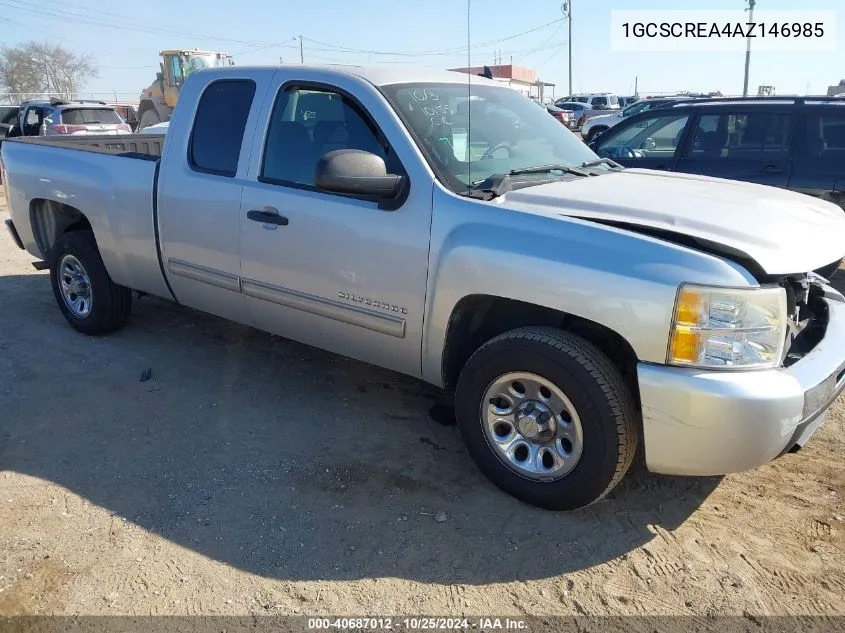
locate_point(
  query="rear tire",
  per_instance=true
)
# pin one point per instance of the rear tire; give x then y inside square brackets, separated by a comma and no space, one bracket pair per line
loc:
[592,387]
[88,298]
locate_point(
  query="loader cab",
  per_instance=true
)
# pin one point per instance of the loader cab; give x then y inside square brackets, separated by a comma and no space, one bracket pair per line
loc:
[177,66]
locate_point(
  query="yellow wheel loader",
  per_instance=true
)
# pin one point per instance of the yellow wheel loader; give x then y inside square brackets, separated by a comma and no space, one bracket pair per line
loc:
[158,100]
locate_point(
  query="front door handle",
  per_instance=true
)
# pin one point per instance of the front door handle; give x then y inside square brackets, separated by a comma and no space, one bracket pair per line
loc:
[772,169]
[267,217]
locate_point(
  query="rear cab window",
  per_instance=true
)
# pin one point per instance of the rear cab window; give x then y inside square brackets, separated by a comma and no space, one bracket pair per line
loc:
[219,125]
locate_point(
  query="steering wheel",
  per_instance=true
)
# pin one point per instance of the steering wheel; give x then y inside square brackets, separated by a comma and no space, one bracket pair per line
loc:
[626,151]
[489,153]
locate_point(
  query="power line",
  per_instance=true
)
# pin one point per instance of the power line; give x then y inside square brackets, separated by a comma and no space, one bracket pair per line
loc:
[60,14]
[430,52]
[26,26]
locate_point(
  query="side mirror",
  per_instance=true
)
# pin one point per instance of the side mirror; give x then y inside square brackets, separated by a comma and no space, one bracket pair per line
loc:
[593,145]
[356,172]
[13,131]
[159,76]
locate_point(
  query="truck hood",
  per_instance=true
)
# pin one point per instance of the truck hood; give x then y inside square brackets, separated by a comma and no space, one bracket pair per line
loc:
[782,231]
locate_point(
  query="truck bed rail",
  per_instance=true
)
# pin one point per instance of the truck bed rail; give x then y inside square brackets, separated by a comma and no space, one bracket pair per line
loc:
[130,145]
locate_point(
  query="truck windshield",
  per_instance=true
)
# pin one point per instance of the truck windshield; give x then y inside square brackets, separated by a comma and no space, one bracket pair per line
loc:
[469,138]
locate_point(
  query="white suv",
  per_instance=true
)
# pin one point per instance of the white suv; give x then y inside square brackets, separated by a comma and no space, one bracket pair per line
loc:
[594,126]
[598,101]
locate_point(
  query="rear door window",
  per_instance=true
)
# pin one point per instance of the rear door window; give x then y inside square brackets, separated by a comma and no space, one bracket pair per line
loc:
[825,135]
[599,102]
[219,126]
[754,135]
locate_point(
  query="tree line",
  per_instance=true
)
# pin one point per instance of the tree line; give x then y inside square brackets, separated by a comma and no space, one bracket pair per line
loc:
[34,69]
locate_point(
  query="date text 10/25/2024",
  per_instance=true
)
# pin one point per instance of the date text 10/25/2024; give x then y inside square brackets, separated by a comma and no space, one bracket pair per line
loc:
[417,624]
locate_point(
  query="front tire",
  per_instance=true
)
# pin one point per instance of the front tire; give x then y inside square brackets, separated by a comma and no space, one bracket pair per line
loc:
[88,298]
[547,417]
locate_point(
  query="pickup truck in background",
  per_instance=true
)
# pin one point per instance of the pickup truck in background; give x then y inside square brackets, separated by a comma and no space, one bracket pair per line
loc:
[457,233]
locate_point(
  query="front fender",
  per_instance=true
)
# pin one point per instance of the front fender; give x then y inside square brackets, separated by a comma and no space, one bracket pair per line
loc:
[622,280]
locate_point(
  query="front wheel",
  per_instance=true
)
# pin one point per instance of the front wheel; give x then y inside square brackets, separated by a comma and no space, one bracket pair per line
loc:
[90,301]
[547,417]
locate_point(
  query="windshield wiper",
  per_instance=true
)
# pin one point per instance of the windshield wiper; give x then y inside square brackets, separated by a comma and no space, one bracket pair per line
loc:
[602,161]
[543,169]
[497,184]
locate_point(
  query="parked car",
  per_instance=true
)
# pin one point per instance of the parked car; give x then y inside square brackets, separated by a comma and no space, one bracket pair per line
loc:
[572,305]
[603,122]
[793,143]
[54,117]
[8,117]
[158,128]
[582,112]
[600,101]
[128,112]
[567,117]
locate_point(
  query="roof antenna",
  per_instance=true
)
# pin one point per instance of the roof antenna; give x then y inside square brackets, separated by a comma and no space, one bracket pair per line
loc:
[469,102]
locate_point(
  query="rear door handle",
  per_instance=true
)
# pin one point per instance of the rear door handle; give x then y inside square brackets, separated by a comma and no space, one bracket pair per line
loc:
[772,169]
[267,217]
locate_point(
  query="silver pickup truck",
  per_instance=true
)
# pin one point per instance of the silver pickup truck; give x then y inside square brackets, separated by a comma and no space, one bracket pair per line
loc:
[445,227]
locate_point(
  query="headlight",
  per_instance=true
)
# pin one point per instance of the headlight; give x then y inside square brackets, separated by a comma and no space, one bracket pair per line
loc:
[741,328]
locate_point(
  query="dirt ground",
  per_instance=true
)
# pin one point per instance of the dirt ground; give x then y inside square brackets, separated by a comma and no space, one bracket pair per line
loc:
[252,475]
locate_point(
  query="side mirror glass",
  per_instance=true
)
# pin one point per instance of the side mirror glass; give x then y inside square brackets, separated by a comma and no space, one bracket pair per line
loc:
[357,172]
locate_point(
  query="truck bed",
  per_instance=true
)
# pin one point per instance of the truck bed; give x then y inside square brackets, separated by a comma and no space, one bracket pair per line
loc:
[109,179]
[147,146]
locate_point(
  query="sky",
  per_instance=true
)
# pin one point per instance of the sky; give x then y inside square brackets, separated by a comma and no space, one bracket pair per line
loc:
[124,42]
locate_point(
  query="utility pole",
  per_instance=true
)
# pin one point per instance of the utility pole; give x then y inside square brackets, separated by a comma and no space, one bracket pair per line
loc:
[301,54]
[750,10]
[567,13]
[636,81]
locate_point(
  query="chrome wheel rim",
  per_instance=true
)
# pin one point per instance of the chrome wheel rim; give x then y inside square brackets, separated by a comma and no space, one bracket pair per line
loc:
[75,286]
[532,426]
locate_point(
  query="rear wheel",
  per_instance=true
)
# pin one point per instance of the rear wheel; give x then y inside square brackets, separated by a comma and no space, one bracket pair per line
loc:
[547,417]
[90,301]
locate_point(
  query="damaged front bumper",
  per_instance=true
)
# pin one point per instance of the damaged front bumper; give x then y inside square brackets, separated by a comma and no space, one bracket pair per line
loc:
[699,422]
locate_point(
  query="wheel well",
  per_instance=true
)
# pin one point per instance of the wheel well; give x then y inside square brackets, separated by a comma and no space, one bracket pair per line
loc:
[50,220]
[478,318]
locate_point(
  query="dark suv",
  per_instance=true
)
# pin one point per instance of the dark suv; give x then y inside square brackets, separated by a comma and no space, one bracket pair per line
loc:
[797,143]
